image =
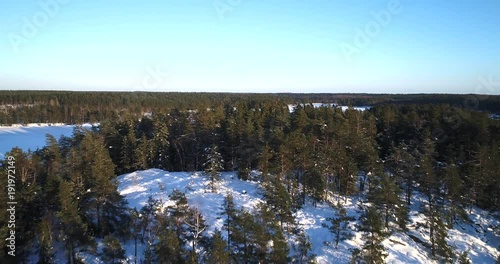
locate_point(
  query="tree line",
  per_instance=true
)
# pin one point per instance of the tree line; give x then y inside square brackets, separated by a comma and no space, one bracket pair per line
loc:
[21,107]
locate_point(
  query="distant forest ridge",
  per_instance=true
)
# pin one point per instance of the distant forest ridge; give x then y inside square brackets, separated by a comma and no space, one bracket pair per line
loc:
[77,107]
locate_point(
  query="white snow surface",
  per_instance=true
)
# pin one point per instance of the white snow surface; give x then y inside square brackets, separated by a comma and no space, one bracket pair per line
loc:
[477,237]
[31,136]
[291,107]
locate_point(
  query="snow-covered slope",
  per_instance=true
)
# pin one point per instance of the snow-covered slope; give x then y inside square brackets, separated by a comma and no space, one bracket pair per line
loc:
[478,238]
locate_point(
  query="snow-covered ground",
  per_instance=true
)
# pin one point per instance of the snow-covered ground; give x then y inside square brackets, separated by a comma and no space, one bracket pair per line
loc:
[31,136]
[495,116]
[291,107]
[478,237]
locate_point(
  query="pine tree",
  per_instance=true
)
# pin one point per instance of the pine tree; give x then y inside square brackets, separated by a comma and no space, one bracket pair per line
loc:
[101,198]
[46,252]
[385,194]
[339,225]
[53,158]
[438,235]
[265,162]
[403,165]
[142,154]
[168,250]
[280,249]
[373,251]
[179,212]
[74,229]
[304,247]
[161,143]
[455,193]
[129,144]
[196,227]
[242,236]
[260,236]
[218,254]
[147,221]
[463,258]
[112,252]
[231,214]
[280,201]
[135,229]
[213,166]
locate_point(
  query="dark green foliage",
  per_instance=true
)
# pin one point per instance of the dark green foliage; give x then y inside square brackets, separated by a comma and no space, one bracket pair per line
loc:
[213,166]
[455,193]
[304,247]
[280,202]
[160,143]
[217,252]
[438,235]
[112,252]
[68,188]
[384,192]
[373,251]
[46,252]
[168,250]
[280,249]
[73,226]
[463,258]
[230,211]
[135,229]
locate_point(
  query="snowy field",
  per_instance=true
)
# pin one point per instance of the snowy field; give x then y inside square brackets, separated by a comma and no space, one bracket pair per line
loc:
[291,107]
[477,237]
[31,136]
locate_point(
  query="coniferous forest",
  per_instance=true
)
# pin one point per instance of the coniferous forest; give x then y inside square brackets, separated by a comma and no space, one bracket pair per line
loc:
[445,149]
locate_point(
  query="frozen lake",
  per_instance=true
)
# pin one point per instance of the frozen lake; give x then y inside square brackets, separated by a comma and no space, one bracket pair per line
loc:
[31,136]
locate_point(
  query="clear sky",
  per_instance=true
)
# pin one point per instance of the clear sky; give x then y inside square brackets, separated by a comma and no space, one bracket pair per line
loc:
[374,46]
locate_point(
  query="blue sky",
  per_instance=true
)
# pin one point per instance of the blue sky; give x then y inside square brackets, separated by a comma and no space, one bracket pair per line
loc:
[374,46]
